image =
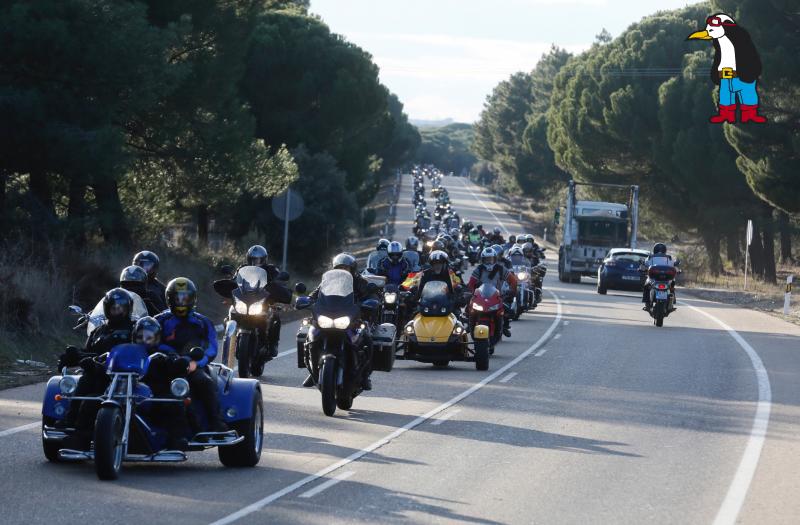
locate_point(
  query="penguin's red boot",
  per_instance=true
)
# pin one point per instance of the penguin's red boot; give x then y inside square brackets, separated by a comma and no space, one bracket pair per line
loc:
[750,114]
[726,114]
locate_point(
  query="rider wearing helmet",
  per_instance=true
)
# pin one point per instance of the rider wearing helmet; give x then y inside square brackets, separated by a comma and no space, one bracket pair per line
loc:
[395,268]
[501,259]
[183,329]
[411,253]
[150,262]
[658,257]
[361,292]
[512,241]
[439,270]
[134,279]
[496,236]
[115,330]
[492,272]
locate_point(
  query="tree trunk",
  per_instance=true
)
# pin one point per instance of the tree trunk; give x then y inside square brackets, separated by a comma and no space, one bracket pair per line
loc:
[732,248]
[40,191]
[786,238]
[768,233]
[76,210]
[711,242]
[3,211]
[110,212]
[202,225]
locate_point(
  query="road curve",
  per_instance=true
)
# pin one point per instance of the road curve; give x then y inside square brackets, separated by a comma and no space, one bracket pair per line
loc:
[588,414]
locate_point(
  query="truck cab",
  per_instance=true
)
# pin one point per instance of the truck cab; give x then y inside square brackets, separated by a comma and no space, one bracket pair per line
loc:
[591,229]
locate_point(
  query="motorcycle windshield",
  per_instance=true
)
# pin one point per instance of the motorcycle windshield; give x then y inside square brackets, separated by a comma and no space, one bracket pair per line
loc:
[97,316]
[486,290]
[336,297]
[518,260]
[251,278]
[413,259]
[374,259]
[434,300]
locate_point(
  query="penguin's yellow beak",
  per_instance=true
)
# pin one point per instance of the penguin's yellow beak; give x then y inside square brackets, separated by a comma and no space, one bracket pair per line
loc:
[699,35]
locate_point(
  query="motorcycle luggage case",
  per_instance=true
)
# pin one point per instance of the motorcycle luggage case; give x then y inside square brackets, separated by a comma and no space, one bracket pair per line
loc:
[302,334]
[383,347]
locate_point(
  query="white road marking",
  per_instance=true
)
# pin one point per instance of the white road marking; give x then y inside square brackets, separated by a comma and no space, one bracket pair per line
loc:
[566,323]
[22,428]
[328,484]
[737,492]
[440,420]
[557,336]
[508,378]
[540,353]
[485,207]
[260,504]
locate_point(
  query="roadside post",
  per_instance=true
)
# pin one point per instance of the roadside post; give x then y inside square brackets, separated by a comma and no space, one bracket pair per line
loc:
[747,249]
[544,237]
[287,206]
[787,296]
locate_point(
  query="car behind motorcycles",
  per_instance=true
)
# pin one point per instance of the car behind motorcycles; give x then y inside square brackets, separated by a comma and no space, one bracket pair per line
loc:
[335,342]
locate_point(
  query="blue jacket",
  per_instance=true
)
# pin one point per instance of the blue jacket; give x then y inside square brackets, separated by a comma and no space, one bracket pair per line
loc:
[395,272]
[184,333]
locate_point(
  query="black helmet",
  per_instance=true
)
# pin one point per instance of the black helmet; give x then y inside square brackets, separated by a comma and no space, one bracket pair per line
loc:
[395,251]
[257,255]
[181,296]
[345,261]
[437,245]
[480,226]
[133,274]
[383,244]
[117,306]
[512,239]
[660,248]
[147,331]
[496,230]
[439,257]
[149,261]
[133,279]
[412,243]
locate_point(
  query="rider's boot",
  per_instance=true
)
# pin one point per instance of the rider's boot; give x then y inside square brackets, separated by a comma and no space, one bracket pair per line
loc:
[506,327]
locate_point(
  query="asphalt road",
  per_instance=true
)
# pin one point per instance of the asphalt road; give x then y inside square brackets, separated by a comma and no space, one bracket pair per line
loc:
[588,414]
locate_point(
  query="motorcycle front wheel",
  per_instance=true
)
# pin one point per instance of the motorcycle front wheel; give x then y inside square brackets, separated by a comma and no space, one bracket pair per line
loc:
[328,386]
[244,353]
[108,448]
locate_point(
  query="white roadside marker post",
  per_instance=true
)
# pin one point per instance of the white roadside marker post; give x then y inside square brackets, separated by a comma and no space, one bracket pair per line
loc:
[747,249]
[787,296]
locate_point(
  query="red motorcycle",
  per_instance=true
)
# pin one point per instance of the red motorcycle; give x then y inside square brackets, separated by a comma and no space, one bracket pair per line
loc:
[486,308]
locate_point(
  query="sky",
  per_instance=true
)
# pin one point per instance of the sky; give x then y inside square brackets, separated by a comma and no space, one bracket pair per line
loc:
[443,57]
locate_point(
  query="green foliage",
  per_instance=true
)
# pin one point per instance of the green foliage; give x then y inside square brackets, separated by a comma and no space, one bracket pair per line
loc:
[512,131]
[769,155]
[447,147]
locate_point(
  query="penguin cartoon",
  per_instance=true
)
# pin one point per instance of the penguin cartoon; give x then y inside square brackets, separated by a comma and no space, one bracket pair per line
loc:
[736,68]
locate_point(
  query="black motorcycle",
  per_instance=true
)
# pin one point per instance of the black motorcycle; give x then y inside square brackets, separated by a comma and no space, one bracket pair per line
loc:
[661,296]
[252,318]
[336,343]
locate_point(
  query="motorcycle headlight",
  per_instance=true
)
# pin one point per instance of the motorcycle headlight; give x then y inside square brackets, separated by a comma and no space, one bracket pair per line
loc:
[477,307]
[429,243]
[458,330]
[257,308]
[522,276]
[410,330]
[179,387]
[341,322]
[68,385]
[324,321]
[390,298]
[239,306]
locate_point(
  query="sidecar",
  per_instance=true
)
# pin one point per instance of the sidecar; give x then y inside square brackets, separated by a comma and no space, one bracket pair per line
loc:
[126,429]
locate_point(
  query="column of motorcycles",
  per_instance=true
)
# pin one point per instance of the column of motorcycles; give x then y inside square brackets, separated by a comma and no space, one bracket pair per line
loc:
[354,329]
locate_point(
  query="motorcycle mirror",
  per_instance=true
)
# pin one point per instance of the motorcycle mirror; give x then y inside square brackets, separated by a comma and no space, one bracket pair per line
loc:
[370,305]
[227,269]
[300,288]
[197,353]
[75,309]
[372,287]
[302,302]
[283,277]
[677,262]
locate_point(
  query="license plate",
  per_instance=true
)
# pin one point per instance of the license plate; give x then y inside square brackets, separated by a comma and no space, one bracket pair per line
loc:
[661,295]
[630,278]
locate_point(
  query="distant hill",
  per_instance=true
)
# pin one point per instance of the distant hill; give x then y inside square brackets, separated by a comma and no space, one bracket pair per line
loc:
[447,147]
[431,123]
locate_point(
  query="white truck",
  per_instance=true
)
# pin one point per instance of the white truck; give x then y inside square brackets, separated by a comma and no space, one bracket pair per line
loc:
[591,228]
